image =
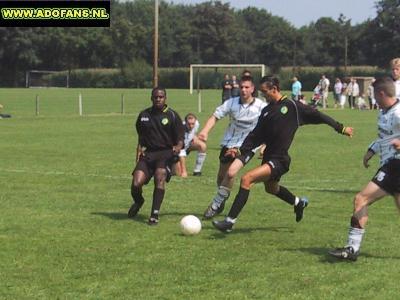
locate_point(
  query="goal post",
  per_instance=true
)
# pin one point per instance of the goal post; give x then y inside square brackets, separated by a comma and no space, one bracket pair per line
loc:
[46,79]
[259,67]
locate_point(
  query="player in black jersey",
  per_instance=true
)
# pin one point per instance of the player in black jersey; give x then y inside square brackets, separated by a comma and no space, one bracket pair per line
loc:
[160,134]
[276,128]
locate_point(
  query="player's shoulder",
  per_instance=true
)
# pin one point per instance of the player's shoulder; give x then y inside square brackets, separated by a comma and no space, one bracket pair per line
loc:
[260,102]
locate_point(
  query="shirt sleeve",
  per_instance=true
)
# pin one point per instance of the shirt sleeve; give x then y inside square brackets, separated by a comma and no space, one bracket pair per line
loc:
[138,128]
[310,115]
[179,130]
[224,109]
[196,126]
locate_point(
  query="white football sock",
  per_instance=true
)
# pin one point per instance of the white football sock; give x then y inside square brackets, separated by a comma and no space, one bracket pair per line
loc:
[355,238]
[222,194]
[201,157]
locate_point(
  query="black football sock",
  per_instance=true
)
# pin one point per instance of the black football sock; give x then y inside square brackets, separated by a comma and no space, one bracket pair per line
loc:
[239,203]
[158,196]
[286,195]
[137,194]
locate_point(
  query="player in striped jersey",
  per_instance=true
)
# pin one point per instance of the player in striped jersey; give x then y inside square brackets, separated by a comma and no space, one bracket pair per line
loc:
[387,179]
[243,112]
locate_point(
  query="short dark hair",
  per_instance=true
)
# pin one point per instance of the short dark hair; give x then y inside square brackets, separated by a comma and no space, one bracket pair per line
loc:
[247,78]
[190,116]
[270,81]
[158,88]
[385,84]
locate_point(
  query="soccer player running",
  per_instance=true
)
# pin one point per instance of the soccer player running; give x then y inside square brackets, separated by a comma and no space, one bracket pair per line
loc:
[160,139]
[243,112]
[276,128]
[387,179]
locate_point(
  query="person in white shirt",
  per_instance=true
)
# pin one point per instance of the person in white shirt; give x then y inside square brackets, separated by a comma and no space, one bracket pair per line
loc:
[324,83]
[387,179]
[395,66]
[353,91]
[371,96]
[337,91]
[243,112]
[191,143]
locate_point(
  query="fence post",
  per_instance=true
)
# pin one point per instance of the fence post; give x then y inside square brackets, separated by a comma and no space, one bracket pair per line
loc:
[37,105]
[80,104]
[122,104]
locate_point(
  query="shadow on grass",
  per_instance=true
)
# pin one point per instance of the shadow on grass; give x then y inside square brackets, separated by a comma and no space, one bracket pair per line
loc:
[220,235]
[328,190]
[326,258]
[119,216]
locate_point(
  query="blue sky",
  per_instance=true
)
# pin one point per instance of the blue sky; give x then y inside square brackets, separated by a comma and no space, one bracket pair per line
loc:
[302,12]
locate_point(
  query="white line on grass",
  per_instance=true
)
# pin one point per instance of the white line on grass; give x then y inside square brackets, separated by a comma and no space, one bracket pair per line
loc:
[333,184]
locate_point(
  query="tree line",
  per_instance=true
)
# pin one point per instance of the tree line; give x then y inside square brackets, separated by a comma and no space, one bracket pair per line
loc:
[210,32]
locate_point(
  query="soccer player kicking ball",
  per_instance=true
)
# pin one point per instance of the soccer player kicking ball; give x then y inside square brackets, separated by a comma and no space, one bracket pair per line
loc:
[387,179]
[276,128]
[243,112]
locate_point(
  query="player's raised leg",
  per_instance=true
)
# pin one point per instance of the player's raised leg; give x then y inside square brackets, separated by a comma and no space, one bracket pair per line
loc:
[371,193]
[299,203]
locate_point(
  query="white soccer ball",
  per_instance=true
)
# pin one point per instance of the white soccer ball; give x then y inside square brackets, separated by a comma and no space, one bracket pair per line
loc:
[190,225]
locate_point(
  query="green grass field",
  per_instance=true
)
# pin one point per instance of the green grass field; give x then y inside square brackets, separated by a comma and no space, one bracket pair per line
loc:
[65,191]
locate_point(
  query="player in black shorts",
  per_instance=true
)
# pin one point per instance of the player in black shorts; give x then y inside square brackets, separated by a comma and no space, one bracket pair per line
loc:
[387,179]
[276,128]
[160,134]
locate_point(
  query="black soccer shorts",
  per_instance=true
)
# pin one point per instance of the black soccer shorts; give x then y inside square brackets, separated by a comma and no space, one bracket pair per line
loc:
[388,177]
[228,159]
[150,161]
[278,168]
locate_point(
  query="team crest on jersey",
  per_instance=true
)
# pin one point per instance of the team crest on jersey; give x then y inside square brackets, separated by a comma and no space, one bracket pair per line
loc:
[284,110]
[164,121]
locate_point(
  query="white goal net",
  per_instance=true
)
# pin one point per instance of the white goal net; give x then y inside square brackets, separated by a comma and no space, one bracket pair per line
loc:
[46,79]
[195,73]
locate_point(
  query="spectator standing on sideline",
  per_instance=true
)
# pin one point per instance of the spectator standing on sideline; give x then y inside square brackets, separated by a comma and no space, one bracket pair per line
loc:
[276,128]
[191,143]
[371,96]
[296,89]
[226,88]
[353,90]
[235,87]
[395,66]
[160,139]
[324,84]
[243,112]
[337,91]
[387,179]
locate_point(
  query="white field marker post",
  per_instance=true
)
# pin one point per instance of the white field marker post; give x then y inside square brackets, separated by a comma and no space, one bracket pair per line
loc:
[80,104]
[37,105]
[199,100]
[122,104]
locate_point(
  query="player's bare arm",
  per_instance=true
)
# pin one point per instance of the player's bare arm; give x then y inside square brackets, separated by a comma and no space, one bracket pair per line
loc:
[368,155]
[396,144]
[203,135]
